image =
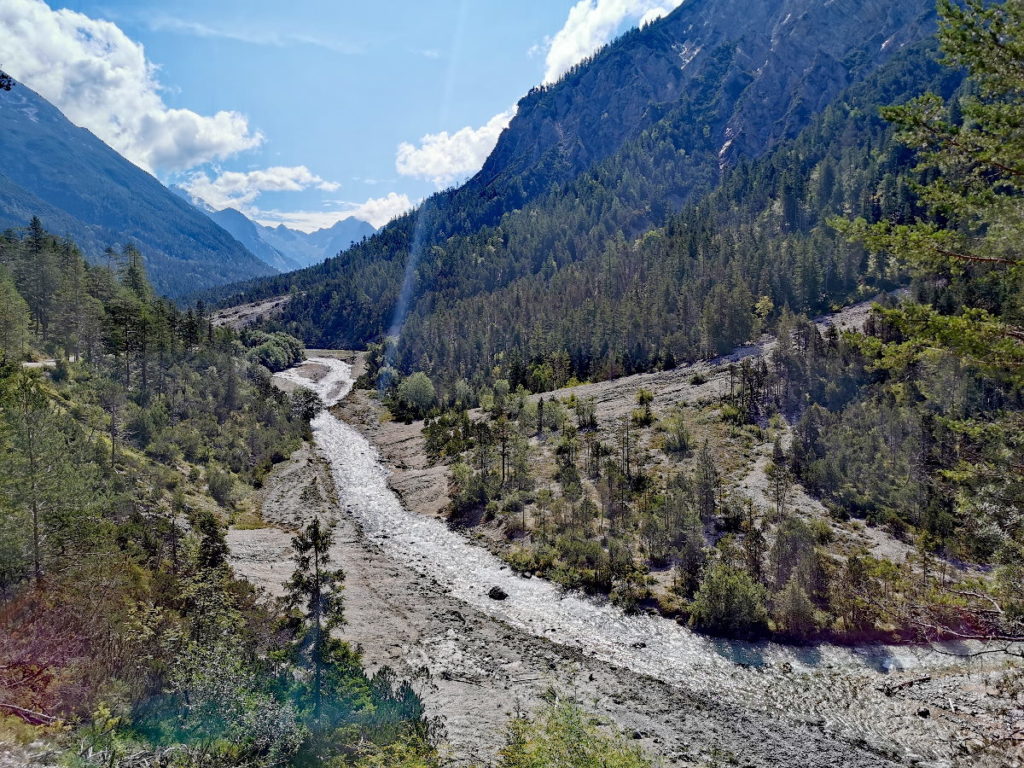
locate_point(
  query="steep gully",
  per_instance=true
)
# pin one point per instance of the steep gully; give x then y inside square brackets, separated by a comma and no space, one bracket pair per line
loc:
[417,599]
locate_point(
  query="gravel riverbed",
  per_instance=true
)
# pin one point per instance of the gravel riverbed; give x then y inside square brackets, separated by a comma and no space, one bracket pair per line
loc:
[416,599]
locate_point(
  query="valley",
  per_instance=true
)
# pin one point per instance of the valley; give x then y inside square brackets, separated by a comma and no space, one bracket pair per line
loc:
[559,384]
[416,599]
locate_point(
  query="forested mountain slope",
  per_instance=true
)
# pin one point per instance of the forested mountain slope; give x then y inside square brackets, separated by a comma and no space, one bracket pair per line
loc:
[772,65]
[564,285]
[83,189]
[667,149]
[593,301]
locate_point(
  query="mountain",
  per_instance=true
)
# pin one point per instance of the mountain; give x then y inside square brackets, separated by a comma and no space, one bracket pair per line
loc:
[81,188]
[654,122]
[284,248]
[252,236]
[766,68]
[307,249]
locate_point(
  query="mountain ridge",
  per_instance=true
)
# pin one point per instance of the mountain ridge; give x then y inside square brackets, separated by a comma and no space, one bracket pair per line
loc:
[531,223]
[82,188]
[282,247]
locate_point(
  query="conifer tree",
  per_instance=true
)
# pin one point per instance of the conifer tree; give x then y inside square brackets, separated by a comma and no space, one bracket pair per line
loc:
[14,320]
[315,589]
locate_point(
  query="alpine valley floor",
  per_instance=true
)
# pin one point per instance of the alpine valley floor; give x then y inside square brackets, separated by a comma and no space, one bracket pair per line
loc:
[416,599]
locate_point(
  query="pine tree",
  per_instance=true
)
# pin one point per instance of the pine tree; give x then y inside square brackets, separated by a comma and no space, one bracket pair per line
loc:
[14,320]
[794,611]
[316,590]
[706,483]
[966,253]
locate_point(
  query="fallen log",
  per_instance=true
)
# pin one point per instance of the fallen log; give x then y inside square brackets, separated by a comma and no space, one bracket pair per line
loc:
[890,688]
[30,717]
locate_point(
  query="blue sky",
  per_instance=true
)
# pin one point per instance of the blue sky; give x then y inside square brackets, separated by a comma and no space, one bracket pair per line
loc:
[303,111]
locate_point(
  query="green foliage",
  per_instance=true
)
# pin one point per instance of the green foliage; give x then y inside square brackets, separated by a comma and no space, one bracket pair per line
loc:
[793,611]
[160,651]
[563,734]
[14,321]
[315,588]
[416,392]
[305,404]
[953,355]
[220,486]
[728,602]
[274,351]
[677,437]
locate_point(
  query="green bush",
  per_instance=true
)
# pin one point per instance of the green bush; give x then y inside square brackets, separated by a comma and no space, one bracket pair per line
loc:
[564,735]
[729,603]
[417,393]
[221,486]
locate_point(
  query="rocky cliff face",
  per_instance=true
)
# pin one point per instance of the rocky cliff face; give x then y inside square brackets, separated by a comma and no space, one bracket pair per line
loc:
[766,66]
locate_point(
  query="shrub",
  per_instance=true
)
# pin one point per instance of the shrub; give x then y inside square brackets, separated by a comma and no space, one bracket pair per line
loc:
[677,437]
[417,392]
[794,611]
[221,486]
[566,736]
[729,603]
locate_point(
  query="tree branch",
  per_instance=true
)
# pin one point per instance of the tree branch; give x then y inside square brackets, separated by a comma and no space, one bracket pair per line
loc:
[979,259]
[34,718]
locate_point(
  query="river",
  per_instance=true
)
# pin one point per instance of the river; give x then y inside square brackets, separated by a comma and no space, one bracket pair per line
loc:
[818,705]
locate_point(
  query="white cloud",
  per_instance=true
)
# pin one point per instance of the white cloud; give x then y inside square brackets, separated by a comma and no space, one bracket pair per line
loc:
[444,158]
[236,189]
[591,24]
[241,34]
[101,80]
[377,210]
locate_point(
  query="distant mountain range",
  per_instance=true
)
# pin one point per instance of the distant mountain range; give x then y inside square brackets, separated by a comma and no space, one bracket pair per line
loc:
[283,248]
[311,248]
[81,188]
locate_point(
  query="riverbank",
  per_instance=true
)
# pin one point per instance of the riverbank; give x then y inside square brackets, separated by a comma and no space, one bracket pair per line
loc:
[416,600]
[526,529]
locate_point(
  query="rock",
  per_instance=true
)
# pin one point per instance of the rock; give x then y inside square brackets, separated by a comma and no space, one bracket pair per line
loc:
[497,593]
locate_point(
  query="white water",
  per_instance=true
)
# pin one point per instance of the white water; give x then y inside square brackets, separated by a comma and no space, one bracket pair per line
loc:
[830,685]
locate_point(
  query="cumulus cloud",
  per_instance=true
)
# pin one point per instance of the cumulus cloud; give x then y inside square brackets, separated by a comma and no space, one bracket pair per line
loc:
[101,80]
[591,24]
[377,210]
[237,189]
[444,158]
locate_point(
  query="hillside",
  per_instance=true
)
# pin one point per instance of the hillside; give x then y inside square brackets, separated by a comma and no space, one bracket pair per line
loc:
[249,234]
[770,65]
[81,188]
[524,219]
[565,287]
[121,467]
